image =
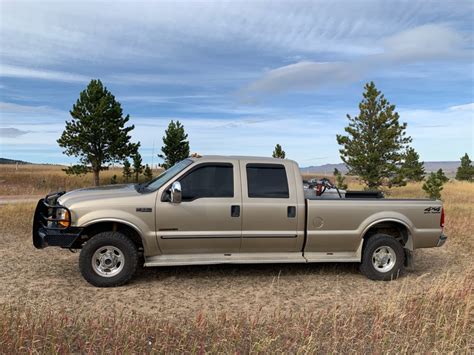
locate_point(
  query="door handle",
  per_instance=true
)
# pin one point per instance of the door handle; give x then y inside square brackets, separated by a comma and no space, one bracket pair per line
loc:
[291,212]
[235,211]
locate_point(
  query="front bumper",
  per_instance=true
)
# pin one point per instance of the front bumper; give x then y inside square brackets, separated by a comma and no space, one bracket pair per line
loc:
[46,230]
[442,239]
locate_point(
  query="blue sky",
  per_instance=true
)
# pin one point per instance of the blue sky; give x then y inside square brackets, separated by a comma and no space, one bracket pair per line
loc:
[241,76]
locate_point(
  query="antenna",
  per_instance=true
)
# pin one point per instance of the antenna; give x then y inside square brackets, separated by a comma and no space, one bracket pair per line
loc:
[152,154]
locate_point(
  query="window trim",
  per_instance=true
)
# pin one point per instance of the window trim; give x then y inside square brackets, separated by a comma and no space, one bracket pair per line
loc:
[266,166]
[165,195]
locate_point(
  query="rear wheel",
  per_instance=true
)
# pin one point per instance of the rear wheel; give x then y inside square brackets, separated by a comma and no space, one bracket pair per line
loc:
[108,259]
[383,258]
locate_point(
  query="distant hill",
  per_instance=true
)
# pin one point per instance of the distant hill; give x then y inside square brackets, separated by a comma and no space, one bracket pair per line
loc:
[12,161]
[449,167]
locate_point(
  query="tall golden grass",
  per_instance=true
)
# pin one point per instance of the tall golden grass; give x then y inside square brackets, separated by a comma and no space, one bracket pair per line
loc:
[42,179]
[440,321]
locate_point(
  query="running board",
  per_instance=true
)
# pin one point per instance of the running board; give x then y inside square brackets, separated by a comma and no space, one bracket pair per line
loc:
[238,258]
[249,258]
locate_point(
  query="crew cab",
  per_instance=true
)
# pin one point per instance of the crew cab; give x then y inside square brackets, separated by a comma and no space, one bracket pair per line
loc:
[219,210]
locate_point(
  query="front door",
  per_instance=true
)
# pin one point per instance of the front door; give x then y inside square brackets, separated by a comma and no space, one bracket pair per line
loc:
[208,219]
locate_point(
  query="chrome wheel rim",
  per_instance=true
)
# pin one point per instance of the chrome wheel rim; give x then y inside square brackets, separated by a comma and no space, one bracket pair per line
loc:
[384,259]
[108,261]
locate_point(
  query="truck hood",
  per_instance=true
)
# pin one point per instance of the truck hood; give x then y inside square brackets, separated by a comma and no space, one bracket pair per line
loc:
[98,193]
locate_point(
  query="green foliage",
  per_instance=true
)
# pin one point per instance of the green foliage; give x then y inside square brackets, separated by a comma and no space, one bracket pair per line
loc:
[137,165]
[176,145]
[97,133]
[77,170]
[113,180]
[442,176]
[340,179]
[148,173]
[433,186]
[412,168]
[127,171]
[466,170]
[278,152]
[373,148]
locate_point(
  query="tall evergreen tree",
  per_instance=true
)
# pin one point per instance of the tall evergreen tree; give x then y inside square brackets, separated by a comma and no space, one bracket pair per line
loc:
[148,173]
[278,152]
[412,168]
[176,145]
[466,170]
[97,133]
[137,165]
[127,171]
[374,146]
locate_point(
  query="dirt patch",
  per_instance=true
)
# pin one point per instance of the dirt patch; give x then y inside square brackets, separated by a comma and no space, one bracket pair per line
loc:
[51,277]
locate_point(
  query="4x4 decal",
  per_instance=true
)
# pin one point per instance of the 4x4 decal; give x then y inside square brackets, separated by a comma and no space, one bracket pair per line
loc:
[432,210]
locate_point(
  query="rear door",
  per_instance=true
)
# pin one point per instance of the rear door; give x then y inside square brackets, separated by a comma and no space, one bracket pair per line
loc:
[269,214]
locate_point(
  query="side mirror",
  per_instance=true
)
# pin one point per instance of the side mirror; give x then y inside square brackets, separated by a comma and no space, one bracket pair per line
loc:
[175,192]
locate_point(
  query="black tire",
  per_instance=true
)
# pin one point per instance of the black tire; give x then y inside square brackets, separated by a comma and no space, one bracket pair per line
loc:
[381,242]
[124,249]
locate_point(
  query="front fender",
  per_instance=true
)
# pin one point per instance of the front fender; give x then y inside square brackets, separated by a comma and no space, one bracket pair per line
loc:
[143,225]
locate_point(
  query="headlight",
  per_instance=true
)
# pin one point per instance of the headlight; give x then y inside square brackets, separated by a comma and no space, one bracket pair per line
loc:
[63,217]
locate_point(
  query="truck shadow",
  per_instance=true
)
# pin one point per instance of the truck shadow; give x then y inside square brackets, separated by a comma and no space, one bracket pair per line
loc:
[196,272]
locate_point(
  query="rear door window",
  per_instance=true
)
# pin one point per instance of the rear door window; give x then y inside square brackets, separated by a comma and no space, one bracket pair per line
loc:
[267,181]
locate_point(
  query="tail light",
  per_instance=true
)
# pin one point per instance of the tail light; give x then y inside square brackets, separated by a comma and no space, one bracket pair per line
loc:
[441,222]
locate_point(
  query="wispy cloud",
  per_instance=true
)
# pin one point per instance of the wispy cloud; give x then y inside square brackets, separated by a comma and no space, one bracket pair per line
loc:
[13,71]
[423,43]
[9,132]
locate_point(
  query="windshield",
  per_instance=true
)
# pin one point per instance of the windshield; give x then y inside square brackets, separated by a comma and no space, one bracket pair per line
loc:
[166,175]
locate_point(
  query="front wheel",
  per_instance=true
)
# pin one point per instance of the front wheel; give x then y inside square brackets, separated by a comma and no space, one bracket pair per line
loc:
[108,259]
[383,258]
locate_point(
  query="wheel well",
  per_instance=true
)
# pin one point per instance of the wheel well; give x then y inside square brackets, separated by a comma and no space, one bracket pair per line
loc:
[394,229]
[100,227]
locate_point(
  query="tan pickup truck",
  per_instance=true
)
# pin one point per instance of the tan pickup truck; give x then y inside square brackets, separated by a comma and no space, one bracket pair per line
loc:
[218,209]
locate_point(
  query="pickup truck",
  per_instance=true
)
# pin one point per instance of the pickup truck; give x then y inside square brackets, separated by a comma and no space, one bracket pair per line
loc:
[219,210]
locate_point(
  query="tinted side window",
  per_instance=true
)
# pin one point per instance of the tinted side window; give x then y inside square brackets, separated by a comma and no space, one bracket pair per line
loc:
[267,181]
[208,181]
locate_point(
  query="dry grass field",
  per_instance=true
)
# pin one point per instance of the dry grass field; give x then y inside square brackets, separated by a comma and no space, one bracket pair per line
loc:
[46,306]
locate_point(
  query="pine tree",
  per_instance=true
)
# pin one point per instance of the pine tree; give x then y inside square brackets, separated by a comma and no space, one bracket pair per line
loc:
[412,168]
[433,186]
[278,152]
[97,133]
[466,170]
[340,179]
[176,145]
[126,172]
[442,176]
[137,165]
[148,173]
[374,146]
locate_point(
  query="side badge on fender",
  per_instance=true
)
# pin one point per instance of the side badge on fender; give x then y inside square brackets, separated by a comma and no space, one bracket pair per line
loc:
[144,209]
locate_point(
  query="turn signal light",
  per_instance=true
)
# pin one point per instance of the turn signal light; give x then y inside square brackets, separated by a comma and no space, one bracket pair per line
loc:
[441,222]
[65,218]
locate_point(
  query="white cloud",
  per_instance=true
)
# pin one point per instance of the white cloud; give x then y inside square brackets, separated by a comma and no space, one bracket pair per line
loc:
[428,42]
